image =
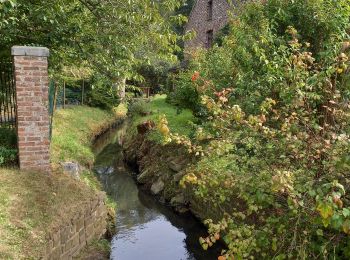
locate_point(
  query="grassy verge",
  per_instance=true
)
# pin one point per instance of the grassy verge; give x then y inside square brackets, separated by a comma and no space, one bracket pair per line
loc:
[32,204]
[98,249]
[74,129]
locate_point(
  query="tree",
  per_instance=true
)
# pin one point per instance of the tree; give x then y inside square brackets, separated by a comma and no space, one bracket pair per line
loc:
[111,36]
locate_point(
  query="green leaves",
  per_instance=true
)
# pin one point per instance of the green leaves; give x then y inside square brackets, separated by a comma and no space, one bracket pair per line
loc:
[346,212]
[276,147]
[319,232]
[112,36]
[274,244]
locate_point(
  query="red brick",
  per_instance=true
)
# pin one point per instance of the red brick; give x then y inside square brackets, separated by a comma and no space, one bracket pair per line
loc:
[31,79]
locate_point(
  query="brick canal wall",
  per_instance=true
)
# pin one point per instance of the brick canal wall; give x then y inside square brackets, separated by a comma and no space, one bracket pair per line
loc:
[89,223]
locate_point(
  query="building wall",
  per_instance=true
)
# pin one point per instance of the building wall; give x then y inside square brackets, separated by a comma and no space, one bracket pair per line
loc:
[198,21]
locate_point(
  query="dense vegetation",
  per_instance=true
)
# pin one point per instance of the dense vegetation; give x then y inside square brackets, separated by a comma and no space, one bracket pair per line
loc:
[273,140]
[103,42]
[272,127]
[8,146]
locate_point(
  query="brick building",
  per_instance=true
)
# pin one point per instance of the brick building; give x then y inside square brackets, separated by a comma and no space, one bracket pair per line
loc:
[207,18]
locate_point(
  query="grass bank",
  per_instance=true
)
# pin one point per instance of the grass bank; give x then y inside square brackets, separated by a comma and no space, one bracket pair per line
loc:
[32,204]
[75,128]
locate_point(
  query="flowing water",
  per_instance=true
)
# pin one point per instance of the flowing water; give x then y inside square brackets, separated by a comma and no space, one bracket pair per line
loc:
[145,229]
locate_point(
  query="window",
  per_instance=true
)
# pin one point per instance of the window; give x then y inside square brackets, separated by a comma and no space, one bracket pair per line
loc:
[210,10]
[210,38]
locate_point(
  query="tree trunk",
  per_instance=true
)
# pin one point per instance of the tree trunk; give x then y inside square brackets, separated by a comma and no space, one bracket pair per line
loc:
[120,88]
[55,97]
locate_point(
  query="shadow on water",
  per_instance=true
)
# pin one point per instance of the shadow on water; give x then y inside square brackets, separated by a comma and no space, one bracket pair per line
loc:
[146,229]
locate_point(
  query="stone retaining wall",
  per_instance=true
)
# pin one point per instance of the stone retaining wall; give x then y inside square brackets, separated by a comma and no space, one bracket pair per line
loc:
[89,223]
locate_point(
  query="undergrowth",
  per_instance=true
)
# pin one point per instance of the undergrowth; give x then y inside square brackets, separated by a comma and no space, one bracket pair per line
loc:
[273,139]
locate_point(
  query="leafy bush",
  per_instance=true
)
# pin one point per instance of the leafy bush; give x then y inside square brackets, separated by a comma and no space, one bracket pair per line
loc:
[274,146]
[8,146]
[185,96]
[102,98]
[153,76]
[102,93]
[7,156]
[139,107]
[8,137]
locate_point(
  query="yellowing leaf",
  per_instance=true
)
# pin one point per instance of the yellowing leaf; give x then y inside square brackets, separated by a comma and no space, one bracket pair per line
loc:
[325,210]
[164,129]
[346,227]
[205,246]
[274,244]
[326,222]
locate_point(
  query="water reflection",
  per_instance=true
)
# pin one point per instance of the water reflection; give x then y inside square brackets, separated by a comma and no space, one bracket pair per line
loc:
[145,228]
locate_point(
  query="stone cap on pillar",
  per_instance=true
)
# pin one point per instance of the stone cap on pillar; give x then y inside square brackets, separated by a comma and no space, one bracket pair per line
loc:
[30,51]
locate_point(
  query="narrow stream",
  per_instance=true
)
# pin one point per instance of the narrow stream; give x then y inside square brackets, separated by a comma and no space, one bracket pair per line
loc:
[146,229]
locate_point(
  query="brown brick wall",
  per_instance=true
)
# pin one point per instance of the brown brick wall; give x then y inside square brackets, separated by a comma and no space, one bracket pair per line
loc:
[31,79]
[198,21]
[70,238]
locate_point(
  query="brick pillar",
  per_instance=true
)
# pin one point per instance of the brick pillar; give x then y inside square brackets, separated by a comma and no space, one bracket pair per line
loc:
[33,124]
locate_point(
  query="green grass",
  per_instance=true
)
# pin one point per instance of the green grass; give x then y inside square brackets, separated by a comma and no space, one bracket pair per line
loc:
[73,132]
[178,122]
[74,129]
[32,204]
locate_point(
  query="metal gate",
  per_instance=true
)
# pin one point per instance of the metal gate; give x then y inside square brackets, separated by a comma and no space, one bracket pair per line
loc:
[7,95]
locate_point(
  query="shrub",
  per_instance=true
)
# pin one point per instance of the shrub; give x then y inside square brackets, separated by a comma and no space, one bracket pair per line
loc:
[274,146]
[8,146]
[8,137]
[102,98]
[139,107]
[185,95]
[102,93]
[7,156]
[153,76]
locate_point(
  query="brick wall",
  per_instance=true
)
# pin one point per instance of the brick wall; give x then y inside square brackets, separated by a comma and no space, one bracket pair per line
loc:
[31,80]
[198,21]
[89,223]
